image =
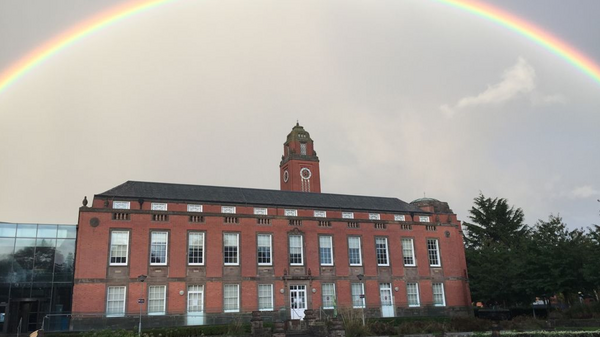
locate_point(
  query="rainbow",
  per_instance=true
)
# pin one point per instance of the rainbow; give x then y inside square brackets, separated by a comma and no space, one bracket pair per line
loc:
[117,13]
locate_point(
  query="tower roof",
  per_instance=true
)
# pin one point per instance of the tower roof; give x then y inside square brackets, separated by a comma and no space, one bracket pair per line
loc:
[298,134]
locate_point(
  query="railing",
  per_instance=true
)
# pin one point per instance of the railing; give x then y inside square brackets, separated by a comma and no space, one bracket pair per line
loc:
[293,222]
[353,224]
[121,216]
[196,218]
[380,225]
[160,217]
[231,219]
[324,223]
[263,221]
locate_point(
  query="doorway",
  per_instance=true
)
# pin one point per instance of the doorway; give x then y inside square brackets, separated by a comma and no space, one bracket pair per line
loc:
[387,301]
[297,301]
[195,307]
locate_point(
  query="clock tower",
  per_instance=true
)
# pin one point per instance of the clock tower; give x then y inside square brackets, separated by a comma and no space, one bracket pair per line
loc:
[299,167]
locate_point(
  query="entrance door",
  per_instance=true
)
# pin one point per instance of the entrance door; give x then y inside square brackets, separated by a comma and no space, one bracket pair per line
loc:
[387,301]
[195,307]
[297,301]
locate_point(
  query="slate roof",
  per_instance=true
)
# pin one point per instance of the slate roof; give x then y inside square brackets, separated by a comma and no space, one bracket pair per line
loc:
[258,197]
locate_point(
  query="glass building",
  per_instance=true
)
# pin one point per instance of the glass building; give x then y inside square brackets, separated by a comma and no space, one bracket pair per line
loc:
[36,276]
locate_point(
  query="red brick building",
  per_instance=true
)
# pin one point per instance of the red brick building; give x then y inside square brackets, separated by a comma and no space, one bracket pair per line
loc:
[210,251]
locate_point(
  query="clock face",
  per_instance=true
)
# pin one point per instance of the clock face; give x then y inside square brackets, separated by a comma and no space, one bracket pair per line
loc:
[305,173]
[286,176]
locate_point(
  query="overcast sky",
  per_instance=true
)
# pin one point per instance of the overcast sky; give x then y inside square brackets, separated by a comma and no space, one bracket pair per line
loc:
[402,98]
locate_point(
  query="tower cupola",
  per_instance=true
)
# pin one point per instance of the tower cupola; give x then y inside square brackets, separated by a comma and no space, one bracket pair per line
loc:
[299,167]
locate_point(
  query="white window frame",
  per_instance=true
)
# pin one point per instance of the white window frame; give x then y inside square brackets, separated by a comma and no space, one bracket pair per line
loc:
[290,212]
[158,206]
[202,245]
[357,302]
[228,209]
[260,211]
[408,245]
[408,294]
[324,241]
[436,251]
[112,244]
[194,208]
[440,287]
[399,217]
[301,263]
[332,303]
[237,246]
[387,251]
[359,250]
[423,218]
[121,204]
[347,215]
[270,245]
[163,299]
[374,216]
[108,300]
[269,290]
[320,214]
[237,297]
[166,248]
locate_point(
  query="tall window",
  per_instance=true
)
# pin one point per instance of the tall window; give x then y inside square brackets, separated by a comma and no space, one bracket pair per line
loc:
[328,291]
[156,300]
[196,248]
[358,299]
[354,253]
[231,298]
[412,293]
[326,250]
[433,251]
[115,301]
[195,298]
[439,299]
[303,149]
[381,250]
[158,248]
[263,249]
[408,252]
[296,255]
[119,247]
[231,248]
[265,297]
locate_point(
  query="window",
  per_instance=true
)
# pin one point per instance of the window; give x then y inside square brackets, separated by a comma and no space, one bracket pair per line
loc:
[423,218]
[320,214]
[194,208]
[119,247]
[195,248]
[374,216]
[264,251]
[230,248]
[265,297]
[231,298]
[412,292]
[408,252]
[326,250]
[354,253]
[290,212]
[156,300]
[347,215]
[303,149]
[399,217]
[195,300]
[260,211]
[328,292]
[358,298]
[158,206]
[228,209]
[121,205]
[433,251]
[438,295]
[381,251]
[115,301]
[296,257]
[158,248]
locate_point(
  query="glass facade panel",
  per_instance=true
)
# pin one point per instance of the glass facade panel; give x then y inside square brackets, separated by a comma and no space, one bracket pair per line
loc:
[23,260]
[7,246]
[47,231]
[43,264]
[26,231]
[64,260]
[8,230]
[66,232]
